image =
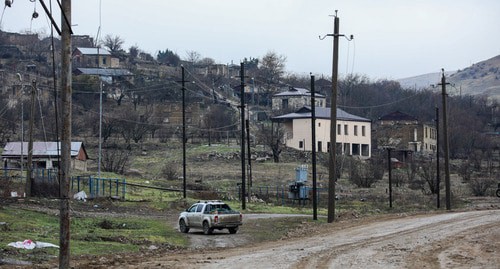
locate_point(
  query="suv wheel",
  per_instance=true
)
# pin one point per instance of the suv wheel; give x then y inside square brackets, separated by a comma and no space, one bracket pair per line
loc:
[183,227]
[206,228]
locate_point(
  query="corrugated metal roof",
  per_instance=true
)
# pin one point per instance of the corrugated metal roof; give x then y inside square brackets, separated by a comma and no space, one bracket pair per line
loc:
[321,113]
[93,51]
[108,72]
[39,149]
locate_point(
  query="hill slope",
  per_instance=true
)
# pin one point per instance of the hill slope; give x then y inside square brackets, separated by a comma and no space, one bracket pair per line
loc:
[482,78]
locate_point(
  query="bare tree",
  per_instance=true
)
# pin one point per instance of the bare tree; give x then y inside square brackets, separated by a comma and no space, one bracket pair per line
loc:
[115,159]
[271,135]
[363,173]
[114,44]
[193,57]
[218,120]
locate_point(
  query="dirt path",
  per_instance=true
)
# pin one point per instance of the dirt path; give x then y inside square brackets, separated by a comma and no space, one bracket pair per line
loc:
[450,240]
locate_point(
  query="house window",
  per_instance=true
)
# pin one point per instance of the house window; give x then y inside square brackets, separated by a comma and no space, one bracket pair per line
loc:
[301,144]
[346,129]
[320,146]
[365,150]
[284,103]
[363,130]
[339,131]
[319,124]
[104,61]
[426,132]
[355,130]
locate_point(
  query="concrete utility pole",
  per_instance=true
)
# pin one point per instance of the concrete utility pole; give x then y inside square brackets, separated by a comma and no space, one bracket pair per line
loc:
[446,144]
[313,149]
[29,175]
[65,176]
[242,113]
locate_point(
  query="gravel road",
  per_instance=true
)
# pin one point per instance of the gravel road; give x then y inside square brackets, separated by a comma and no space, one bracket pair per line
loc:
[446,240]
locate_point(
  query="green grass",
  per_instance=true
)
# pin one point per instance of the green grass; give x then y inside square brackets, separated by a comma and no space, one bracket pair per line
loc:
[89,235]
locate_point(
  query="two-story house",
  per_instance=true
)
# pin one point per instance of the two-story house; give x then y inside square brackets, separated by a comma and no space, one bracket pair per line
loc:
[295,98]
[406,133]
[353,132]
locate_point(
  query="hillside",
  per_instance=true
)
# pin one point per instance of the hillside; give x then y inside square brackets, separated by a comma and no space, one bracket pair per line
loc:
[424,81]
[482,78]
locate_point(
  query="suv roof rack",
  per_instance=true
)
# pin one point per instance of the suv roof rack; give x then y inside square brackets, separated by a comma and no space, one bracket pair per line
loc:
[209,201]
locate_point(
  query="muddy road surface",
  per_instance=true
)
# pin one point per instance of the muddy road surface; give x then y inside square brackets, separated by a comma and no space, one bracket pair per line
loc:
[446,240]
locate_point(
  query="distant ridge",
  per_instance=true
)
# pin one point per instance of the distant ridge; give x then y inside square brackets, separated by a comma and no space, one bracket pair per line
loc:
[482,78]
[423,81]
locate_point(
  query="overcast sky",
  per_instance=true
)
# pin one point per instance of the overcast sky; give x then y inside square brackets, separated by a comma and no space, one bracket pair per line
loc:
[392,38]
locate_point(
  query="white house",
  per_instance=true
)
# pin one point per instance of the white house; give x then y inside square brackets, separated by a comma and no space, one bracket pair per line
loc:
[353,132]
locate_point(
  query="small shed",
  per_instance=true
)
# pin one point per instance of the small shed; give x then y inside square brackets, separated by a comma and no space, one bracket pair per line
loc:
[45,155]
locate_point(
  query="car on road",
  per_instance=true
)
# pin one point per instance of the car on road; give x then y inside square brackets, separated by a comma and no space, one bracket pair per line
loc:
[209,215]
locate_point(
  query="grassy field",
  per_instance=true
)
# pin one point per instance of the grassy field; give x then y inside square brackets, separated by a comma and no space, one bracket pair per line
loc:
[139,221]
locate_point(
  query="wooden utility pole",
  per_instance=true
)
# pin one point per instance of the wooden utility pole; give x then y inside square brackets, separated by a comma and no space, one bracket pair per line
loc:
[446,145]
[389,157]
[242,114]
[65,176]
[184,133]
[29,175]
[438,171]
[333,123]
[313,149]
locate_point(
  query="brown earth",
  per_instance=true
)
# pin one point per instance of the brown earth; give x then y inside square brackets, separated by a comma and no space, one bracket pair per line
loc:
[467,239]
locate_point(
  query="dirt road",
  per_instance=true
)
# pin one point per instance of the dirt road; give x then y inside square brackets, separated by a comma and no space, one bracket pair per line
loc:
[448,240]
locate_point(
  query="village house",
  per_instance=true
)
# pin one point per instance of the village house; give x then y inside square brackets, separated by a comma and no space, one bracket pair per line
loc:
[93,58]
[353,132]
[45,155]
[406,133]
[295,98]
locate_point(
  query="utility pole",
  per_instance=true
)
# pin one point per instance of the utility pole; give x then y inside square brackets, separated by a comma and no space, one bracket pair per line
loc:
[333,123]
[446,144]
[184,133]
[333,119]
[249,156]
[29,176]
[65,176]
[242,113]
[438,171]
[313,149]
[389,157]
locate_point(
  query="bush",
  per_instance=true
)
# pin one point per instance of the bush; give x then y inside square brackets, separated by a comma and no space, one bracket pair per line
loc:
[480,185]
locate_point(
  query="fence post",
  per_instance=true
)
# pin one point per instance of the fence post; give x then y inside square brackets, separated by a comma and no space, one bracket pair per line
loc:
[116,187]
[123,189]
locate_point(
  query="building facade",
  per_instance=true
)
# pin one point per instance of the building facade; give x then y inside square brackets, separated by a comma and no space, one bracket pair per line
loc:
[353,132]
[295,98]
[406,133]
